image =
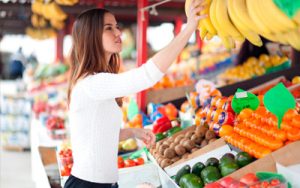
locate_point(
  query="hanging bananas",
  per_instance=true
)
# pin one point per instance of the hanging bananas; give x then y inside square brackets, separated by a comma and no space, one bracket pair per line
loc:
[67,2]
[236,20]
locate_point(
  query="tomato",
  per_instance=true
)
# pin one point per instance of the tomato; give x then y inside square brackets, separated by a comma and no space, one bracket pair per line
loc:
[213,185]
[139,161]
[249,179]
[225,130]
[129,163]
[275,182]
[264,184]
[225,182]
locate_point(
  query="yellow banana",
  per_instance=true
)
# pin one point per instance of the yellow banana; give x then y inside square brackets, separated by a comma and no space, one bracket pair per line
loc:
[42,22]
[34,20]
[296,17]
[202,32]
[294,38]
[256,17]
[224,21]
[209,36]
[57,24]
[53,11]
[244,30]
[226,40]
[37,7]
[278,17]
[266,19]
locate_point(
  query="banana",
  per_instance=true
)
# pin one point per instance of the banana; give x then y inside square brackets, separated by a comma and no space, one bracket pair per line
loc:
[226,40]
[42,22]
[224,21]
[296,17]
[266,19]
[53,11]
[34,20]
[37,7]
[209,36]
[244,30]
[294,38]
[279,19]
[202,32]
[57,24]
[256,17]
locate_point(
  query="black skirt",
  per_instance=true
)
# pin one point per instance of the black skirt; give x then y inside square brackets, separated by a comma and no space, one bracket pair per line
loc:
[74,182]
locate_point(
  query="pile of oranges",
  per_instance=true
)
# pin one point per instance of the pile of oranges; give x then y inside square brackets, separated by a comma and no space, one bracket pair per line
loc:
[168,82]
[256,132]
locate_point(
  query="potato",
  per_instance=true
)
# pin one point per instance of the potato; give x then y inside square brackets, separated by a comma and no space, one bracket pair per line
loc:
[196,139]
[180,150]
[201,129]
[169,153]
[178,139]
[166,162]
[212,140]
[157,145]
[167,142]
[189,145]
[183,140]
[209,135]
[172,145]
[175,159]
[203,143]
[189,134]
[171,140]
[162,149]
[159,159]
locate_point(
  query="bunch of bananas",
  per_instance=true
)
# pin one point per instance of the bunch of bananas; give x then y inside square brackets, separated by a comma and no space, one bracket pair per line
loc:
[237,20]
[67,2]
[40,34]
[53,11]
[57,24]
[38,21]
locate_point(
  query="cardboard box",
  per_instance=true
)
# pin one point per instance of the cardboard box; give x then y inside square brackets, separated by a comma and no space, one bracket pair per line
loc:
[216,149]
[168,94]
[286,156]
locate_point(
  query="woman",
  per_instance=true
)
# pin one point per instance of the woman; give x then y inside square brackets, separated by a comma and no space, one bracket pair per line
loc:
[95,91]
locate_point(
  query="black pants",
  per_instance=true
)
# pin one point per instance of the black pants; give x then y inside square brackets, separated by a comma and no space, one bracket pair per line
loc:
[74,182]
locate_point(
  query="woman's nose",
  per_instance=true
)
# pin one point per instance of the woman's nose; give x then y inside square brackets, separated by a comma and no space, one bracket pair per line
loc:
[118,32]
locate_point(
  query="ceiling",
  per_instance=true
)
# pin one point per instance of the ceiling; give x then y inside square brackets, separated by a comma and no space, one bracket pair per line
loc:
[15,14]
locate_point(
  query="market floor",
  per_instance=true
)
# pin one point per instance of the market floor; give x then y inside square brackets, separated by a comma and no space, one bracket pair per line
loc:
[15,170]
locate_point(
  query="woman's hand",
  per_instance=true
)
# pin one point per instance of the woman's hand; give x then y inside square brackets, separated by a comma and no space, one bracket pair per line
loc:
[145,135]
[196,6]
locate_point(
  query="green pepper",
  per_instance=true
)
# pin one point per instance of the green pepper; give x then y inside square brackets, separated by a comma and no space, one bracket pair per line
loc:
[197,168]
[160,136]
[183,171]
[191,181]
[174,130]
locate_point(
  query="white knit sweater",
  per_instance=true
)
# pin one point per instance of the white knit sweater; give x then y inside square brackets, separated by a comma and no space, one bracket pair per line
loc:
[95,120]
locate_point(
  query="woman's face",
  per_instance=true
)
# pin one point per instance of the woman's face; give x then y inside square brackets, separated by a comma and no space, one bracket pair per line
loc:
[111,35]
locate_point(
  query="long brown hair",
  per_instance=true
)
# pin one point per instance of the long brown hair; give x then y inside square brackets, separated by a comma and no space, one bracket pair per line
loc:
[87,53]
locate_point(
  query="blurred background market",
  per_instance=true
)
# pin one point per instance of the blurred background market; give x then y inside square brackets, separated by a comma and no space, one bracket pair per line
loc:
[234,90]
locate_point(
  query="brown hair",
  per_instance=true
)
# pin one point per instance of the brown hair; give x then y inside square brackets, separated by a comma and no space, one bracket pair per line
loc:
[87,53]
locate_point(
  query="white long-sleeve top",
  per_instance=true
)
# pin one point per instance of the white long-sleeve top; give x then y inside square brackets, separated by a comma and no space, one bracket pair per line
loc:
[95,120]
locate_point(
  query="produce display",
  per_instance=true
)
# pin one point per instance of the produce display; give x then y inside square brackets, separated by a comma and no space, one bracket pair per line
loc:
[251,180]
[180,145]
[128,145]
[169,81]
[247,19]
[253,67]
[125,163]
[202,174]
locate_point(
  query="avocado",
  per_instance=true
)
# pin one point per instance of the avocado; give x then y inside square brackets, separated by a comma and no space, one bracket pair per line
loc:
[243,159]
[228,168]
[191,181]
[197,168]
[227,158]
[183,171]
[212,162]
[210,174]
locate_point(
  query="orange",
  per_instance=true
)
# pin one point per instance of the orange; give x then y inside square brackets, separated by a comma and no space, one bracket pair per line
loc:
[245,114]
[225,130]
[290,114]
[296,121]
[293,134]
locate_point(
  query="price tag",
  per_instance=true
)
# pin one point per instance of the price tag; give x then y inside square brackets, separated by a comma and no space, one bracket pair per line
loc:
[243,99]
